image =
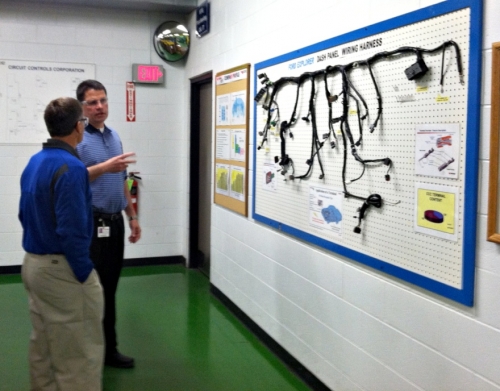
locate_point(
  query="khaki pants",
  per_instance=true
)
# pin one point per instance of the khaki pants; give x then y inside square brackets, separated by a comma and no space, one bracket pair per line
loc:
[67,343]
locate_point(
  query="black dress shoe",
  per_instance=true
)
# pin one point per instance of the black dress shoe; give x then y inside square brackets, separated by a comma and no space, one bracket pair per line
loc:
[118,360]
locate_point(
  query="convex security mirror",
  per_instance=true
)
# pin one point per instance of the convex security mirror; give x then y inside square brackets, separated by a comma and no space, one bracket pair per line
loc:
[171,41]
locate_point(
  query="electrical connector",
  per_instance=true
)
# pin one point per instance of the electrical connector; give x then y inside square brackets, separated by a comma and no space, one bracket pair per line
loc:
[259,98]
[263,78]
[417,70]
[332,98]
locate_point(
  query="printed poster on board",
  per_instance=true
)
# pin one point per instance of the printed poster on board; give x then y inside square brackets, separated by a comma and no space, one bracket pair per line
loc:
[325,209]
[436,210]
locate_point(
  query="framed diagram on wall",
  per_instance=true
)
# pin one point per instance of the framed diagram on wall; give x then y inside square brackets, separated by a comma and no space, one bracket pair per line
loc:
[367,145]
[26,87]
[231,138]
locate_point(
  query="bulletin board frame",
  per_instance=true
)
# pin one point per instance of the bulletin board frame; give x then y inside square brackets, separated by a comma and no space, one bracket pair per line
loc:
[464,293]
[231,154]
[493,229]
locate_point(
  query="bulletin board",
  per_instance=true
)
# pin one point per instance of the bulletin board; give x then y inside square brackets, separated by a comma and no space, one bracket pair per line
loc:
[231,138]
[366,145]
[26,87]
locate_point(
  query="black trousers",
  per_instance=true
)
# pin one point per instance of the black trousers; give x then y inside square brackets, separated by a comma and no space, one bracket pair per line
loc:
[107,255]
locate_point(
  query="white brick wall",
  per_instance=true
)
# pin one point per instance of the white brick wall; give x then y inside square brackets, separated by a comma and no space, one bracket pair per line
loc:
[354,328]
[112,40]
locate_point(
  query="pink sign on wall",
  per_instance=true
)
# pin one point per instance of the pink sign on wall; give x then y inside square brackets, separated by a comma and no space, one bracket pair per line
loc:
[147,73]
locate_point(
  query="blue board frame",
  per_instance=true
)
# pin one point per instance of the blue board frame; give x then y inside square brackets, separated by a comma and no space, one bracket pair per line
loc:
[466,294]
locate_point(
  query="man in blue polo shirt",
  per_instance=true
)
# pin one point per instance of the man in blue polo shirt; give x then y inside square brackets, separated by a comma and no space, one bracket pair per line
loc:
[65,296]
[101,151]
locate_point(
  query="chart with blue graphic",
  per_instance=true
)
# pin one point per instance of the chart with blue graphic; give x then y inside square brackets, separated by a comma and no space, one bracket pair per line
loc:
[238,108]
[223,113]
[325,209]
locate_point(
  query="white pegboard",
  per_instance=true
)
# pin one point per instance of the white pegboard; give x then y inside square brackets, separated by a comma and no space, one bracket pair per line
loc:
[388,234]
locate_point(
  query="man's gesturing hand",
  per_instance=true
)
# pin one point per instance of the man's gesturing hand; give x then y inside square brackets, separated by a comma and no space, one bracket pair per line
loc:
[113,165]
[119,163]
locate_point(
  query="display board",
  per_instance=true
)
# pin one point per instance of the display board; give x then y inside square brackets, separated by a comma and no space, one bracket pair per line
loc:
[26,87]
[367,145]
[231,138]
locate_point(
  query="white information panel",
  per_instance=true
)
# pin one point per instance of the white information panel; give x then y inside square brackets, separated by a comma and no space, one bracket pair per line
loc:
[397,131]
[26,87]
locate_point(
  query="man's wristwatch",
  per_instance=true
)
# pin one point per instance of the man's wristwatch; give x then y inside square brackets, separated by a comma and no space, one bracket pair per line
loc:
[133,218]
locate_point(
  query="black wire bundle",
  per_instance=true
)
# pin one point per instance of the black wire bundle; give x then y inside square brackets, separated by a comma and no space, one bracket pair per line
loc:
[348,93]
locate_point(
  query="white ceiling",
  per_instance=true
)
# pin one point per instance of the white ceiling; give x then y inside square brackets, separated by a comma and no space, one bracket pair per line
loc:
[173,6]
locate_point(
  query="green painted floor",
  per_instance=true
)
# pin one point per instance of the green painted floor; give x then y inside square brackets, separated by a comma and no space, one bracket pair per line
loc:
[183,339]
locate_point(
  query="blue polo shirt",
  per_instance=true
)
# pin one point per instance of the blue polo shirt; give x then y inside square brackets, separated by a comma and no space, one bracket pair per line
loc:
[55,209]
[108,195]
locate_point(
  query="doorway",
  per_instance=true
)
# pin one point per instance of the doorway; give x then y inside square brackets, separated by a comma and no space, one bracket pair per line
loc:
[201,189]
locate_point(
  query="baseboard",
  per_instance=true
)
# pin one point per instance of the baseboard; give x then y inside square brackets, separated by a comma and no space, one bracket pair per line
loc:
[302,372]
[176,259]
[15,269]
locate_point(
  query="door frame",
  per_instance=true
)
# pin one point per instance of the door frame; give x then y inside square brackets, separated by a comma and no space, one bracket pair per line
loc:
[194,161]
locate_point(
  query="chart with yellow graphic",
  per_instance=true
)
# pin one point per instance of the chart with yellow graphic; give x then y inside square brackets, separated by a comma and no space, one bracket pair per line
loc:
[436,210]
[237,183]
[222,179]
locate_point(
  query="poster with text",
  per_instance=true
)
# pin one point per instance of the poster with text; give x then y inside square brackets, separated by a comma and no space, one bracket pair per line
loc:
[437,150]
[325,209]
[222,144]
[269,182]
[26,87]
[436,210]
[223,114]
[238,142]
[238,108]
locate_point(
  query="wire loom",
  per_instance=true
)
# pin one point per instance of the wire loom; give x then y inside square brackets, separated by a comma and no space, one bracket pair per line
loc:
[268,97]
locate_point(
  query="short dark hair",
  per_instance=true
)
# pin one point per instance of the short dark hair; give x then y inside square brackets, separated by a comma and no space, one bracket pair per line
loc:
[61,116]
[86,85]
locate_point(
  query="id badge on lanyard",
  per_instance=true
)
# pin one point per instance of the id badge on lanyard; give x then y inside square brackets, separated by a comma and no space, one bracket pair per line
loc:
[103,231]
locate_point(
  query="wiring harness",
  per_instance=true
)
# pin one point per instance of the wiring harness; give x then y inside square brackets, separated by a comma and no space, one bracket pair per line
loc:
[268,98]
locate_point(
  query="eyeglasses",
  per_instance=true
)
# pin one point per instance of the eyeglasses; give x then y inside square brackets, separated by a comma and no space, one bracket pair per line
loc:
[93,103]
[85,121]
